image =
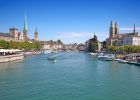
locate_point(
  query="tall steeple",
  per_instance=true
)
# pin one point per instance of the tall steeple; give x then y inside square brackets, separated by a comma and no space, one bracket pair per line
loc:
[25,29]
[112,24]
[134,31]
[112,29]
[25,24]
[36,35]
[95,37]
[116,28]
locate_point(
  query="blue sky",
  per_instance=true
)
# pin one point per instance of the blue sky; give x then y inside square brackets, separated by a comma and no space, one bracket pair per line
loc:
[69,20]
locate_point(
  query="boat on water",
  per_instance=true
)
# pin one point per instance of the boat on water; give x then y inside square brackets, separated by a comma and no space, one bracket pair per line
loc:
[93,54]
[123,61]
[54,52]
[50,51]
[47,51]
[105,58]
[132,62]
[117,59]
[135,62]
[53,60]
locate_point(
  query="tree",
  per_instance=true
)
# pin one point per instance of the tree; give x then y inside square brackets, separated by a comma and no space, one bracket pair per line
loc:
[115,43]
[4,44]
[104,44]
[19,45]
[93,44]
[36,45]
[59,41]
[124,49]
[14,45]
[112,49]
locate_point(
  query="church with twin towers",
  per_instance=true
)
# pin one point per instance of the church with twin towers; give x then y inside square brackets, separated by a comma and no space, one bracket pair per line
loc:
[19,36]
[114,29]
[117,38]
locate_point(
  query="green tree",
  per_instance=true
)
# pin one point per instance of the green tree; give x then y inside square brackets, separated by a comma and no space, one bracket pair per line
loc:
[36,45]
[59,41]
[20,45]
[112,49]
[4,44]
[93,45]
[14,45]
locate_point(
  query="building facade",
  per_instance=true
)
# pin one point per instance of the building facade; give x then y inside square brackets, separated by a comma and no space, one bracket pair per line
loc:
[15,35]
[51,45]
[6,37]
[131,41]
[116,38]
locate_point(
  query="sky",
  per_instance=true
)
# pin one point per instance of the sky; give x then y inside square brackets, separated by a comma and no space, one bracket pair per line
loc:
[70,20]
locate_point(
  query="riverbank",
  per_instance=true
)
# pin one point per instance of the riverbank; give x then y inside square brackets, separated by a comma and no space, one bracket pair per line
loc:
[30,53]
[133,58]
[9,58]
[8,55]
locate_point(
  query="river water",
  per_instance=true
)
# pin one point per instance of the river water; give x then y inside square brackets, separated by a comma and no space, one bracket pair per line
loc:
[74,76]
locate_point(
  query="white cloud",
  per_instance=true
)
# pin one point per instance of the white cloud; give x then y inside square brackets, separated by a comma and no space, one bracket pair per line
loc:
[129,29]
[74,34]
[80,37]
[80,34]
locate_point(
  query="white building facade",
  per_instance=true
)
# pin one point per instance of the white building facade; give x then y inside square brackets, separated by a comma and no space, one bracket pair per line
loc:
[131,41]
[46,45]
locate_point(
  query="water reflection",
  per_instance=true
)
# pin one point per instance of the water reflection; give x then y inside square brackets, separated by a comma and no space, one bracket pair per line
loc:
[73,74]
[10,65]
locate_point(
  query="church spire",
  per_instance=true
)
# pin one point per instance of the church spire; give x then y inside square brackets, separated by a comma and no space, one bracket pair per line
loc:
[134,29]
[25,24]
[25,29]
[95,37]
[36,35]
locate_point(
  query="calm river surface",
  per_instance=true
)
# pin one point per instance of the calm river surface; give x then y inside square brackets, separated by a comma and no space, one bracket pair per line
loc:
[74,76]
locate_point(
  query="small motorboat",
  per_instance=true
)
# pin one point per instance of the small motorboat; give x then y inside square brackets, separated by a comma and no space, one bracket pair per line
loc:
[47,51]
[93,54]
[51,60]
[117,59]
[132,62]
[137,64]
[105,58]
[123,61]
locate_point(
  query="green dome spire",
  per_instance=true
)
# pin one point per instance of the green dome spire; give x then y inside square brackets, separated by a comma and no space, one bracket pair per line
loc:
[25,24]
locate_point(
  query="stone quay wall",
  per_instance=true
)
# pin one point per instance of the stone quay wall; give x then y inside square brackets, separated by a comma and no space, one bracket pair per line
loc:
[9,58]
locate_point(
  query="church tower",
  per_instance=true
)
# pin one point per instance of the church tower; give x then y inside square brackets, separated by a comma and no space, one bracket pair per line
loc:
[112,29]
[116,28]
[14,32]
[134,31]
[36,35]
[25,29]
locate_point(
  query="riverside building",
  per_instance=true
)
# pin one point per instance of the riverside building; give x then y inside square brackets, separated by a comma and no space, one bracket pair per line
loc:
[15,35]
[131,41]
[116,38]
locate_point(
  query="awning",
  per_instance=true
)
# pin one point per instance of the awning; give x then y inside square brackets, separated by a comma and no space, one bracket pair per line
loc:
[10,50]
